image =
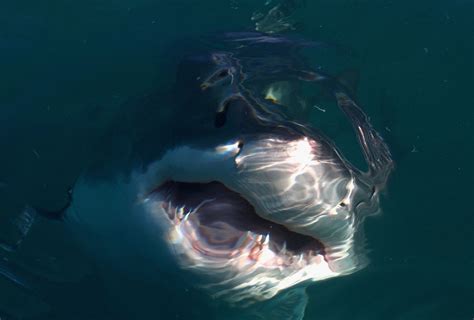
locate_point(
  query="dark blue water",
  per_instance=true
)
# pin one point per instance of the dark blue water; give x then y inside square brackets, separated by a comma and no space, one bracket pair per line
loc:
[70,69]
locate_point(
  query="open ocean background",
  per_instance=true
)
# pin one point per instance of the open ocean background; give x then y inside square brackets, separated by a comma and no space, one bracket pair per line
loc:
[67,69]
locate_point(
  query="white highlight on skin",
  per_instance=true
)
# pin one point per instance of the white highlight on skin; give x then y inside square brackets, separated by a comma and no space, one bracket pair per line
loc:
[292,182]
[229,149]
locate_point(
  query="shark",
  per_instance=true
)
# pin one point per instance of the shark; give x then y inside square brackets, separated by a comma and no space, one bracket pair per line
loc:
[226,182]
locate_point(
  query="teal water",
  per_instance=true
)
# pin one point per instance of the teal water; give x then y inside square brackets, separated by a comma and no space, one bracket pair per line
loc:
[69,69]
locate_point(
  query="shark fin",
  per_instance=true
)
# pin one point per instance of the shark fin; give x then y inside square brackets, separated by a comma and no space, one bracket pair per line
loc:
[17,230]
[7,272]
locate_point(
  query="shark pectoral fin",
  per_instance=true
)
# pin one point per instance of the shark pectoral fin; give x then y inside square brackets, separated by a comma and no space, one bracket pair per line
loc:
[14,232]
[7,272]
[289,305]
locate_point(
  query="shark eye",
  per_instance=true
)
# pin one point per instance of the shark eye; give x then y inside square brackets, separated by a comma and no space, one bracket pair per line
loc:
[222,74]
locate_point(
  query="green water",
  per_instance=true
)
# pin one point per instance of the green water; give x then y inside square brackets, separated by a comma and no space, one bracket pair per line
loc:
[68,67]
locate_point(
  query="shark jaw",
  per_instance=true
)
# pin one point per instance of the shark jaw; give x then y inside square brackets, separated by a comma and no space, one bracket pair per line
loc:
[256,216]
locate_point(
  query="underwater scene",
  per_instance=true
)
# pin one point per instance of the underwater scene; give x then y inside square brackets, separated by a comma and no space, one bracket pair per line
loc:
[236,159]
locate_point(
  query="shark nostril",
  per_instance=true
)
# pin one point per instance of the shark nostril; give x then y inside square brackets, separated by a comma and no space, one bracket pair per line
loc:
[223,73]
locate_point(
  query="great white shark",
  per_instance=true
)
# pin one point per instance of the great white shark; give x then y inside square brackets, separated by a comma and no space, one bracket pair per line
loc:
[232,184]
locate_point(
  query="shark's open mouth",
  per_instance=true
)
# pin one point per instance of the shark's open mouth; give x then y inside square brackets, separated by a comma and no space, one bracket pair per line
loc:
[222,224]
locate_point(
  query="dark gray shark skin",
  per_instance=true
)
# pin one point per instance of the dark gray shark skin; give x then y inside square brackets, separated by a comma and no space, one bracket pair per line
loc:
[225,188]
